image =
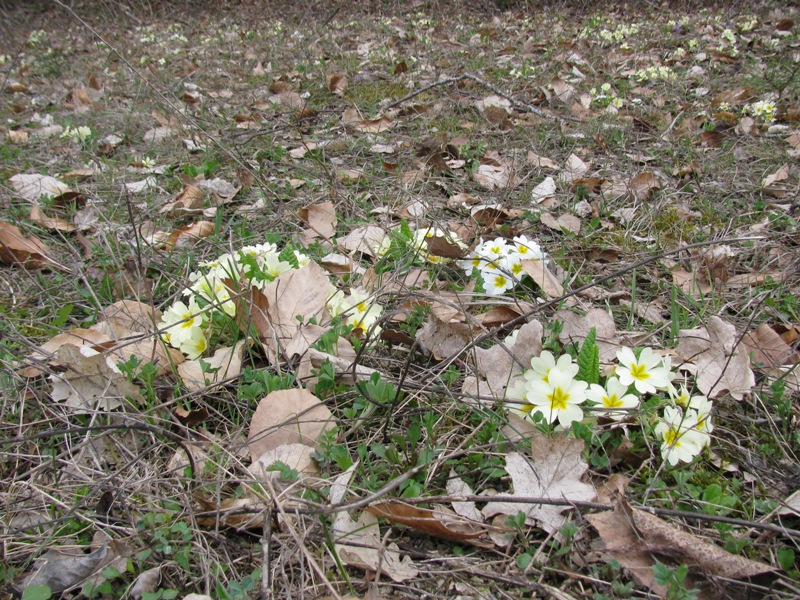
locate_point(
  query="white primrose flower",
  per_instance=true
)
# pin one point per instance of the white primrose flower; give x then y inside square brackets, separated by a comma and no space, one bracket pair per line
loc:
[646,373]
[614,395]
[211,288]
[180,322]
[359,311]
[681,439]
[557,399]
[496,282]
[195,345]
[544,363]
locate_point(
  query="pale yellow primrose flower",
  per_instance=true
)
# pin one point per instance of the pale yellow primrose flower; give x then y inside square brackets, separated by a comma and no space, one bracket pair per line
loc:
[681,439]
[544,363]
[614,395]
[194,346]
[646,372]
[361,313]
[181,321]
[558,398]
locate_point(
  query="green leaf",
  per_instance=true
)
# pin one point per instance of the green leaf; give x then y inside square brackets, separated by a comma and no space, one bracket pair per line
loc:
[288,255]
[37,592]
[589,359]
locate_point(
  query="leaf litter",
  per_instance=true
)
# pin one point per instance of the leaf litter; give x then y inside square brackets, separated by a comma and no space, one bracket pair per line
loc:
[305,429]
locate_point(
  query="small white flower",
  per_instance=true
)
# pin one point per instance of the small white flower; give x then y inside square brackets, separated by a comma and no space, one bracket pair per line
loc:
[181,320]
[614,395]
[558,398]
[681,440]
[544,363]
[195,345]
[148,163]
[646,372]
[496,282]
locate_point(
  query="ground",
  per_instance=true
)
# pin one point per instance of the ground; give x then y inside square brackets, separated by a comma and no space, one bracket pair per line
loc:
[411,300]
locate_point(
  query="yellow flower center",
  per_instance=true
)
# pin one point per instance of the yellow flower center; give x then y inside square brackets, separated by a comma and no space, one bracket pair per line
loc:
[558,399]
[612,401]
[362,307]
[639,372]
[499,281]
[671,438]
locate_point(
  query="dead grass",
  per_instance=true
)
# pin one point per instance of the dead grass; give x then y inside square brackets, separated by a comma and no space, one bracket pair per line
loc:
[206,525]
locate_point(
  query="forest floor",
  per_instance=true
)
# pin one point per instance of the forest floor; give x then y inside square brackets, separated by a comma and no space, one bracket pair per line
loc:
[425,300]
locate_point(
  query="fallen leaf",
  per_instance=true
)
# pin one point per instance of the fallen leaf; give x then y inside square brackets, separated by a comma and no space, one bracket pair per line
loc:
[92,381]
[297,457]
[569,223]
[366,240]
[710,353]
[337,83]
[767,347]
[546,189]
[226,363]
[573,169]
[63,568]
[637,539]
[643,185]
[498,366]
[535,160]
[442,339]
[438,522]
[575,328]
[321,219]
[541,276]
[17,250]
[294,416]
[553,471]
[188,235]
[493,176]
[137,187]
[188,202]
[33,186]
[56,223]
[358,543]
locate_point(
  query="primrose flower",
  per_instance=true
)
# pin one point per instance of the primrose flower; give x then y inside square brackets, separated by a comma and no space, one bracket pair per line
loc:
[180,322]
[646,372]
[496,282]
[557,398]
[614,395]
[212,289]
[544,363]
[681,439]
[526,248]
[195,345]
[148,163]
[361,313]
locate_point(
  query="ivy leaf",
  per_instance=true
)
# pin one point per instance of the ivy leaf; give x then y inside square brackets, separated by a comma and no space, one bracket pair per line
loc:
[589,359]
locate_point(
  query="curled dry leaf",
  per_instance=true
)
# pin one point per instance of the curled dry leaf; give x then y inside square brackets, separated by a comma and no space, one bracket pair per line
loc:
[203,373]
[442,339]
[337,83]
[64,568]
[576,328]
[633,537]
[366,240]
[297,457]
[439,522]
[541,276]
[767,347]
[188,235]
[569,223]
[188,202]
[358,542]
[546,189]
[498,366]
[321,219]
[712,356]
[293,416]
[56,223]
[92,381]
[33,186]
[18,250]
[553,471]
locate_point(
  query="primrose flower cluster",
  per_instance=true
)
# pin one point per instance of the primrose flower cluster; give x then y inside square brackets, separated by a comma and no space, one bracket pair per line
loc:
[499,262]
[79,134]
[551,389]
[763,110]
[187,324]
